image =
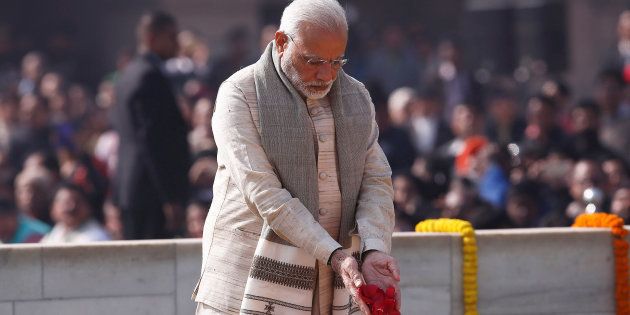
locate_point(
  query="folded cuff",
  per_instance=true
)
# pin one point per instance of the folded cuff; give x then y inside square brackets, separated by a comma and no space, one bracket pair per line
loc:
[374,244]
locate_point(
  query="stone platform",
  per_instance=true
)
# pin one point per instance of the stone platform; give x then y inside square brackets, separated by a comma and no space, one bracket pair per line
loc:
[529,271]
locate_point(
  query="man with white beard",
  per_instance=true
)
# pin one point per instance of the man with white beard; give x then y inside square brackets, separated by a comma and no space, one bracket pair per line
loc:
[302,213]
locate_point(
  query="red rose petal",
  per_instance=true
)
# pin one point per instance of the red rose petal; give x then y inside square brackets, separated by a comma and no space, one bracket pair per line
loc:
[380,302]
[391,292]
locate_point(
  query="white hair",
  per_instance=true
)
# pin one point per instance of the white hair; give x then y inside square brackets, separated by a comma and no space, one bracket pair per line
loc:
[325,14]
[400,98]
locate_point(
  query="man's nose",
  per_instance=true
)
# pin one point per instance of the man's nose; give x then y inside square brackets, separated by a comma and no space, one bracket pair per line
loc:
[326,72]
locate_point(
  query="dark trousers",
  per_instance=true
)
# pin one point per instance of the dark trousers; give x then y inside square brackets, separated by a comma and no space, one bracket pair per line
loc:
[144,220]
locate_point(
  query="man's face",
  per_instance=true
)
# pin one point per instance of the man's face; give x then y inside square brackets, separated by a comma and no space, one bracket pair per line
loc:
[583,120]
[615,174]
[539,114]
[164,43]
[70,208]
[28,197]
[312,81]
[32,66]
[586,174]
[32,112]
[463,122]
[521,210]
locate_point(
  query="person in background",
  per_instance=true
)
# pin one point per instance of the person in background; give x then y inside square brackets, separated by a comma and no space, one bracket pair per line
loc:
[196,213]
[616,174]
[504,125]
[106,145]
[33,131]
[393,137]
[542,131]
[52,84]
[408,203]
[429,131]
[523,207]
[393,63]
[188,70]
[399,106]
[466,123]
[150,184]
[112,221]
[46,160]
[449,73]
[609,96]
[479,161]
[620,204]
[586,174]
[8,118]
[73,216]
[33,65]
[560,93]
[236,56]
[201,175]
[17,228]
[584,142]
[200,137]
[619,55]
[610,90]
[462,202]
[33,190]
[550,174]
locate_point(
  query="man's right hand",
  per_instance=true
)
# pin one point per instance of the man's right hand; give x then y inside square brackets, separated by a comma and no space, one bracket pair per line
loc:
[348,269]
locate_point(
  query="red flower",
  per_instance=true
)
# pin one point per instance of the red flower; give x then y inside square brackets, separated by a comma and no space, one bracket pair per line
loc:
[380,302]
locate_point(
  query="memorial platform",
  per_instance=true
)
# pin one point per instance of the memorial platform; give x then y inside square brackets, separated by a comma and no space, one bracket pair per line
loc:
[526,271]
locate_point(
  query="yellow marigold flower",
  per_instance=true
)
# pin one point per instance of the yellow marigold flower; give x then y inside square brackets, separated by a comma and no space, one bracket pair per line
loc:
[469,255]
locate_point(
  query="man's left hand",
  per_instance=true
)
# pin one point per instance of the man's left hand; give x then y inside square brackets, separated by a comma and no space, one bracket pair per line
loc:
[382,270]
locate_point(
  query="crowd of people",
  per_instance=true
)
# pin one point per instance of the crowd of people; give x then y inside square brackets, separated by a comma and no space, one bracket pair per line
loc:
[487,154]
[459,145]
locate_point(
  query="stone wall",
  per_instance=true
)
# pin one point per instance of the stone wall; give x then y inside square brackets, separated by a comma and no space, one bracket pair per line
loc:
[147,277]
[532,271]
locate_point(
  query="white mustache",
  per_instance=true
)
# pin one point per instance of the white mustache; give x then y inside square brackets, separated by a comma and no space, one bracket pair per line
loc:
[321,83]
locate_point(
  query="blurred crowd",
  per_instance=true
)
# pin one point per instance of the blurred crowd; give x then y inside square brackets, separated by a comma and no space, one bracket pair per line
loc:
[503,152]
[500,151]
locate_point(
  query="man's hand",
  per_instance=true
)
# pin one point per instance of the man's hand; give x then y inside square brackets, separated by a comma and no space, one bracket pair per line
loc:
[382,270]
[348,269]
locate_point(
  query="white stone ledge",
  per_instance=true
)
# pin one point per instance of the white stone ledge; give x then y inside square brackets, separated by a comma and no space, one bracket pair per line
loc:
[527,271]
[20,273]
[6,308]
[109,269]
[139,305]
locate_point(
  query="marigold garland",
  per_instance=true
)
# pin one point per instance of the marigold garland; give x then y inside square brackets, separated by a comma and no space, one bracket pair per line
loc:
[620,249]
[469,253]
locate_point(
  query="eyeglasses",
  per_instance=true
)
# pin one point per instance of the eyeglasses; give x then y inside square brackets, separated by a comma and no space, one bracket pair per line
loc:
[317,62]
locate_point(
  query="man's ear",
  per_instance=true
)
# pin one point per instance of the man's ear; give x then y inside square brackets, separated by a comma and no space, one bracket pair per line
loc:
[281,40]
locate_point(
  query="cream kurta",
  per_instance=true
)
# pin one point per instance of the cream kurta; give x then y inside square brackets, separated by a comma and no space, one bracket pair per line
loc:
[328,187]
[234,222]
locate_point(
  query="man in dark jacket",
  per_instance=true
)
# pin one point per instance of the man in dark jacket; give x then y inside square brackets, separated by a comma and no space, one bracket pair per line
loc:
[150,185]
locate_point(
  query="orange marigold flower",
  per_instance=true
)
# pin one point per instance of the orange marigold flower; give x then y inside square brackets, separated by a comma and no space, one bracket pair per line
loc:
[620,250]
